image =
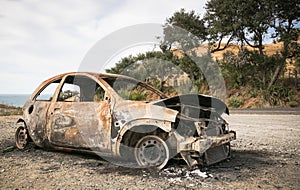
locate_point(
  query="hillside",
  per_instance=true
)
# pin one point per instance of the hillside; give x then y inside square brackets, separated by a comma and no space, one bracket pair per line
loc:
[270,49]
[286,95]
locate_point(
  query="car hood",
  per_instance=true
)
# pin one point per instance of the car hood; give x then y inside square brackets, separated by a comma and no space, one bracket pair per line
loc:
[195,100]
[127,111]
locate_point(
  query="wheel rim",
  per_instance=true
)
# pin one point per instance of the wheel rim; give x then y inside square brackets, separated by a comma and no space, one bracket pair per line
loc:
[21,138]
[152,151]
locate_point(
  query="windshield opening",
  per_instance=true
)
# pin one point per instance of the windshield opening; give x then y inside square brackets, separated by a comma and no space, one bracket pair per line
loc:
[134,90]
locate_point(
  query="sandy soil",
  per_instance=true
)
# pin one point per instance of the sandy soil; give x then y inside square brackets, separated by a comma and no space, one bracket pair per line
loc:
[266,155]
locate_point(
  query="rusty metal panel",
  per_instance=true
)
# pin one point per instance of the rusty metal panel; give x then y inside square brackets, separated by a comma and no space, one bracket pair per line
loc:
[202,144]
[35,117]
[81,125]
[132,110]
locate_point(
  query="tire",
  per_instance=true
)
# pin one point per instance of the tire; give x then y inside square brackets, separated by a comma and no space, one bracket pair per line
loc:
[152,151]
[21,137]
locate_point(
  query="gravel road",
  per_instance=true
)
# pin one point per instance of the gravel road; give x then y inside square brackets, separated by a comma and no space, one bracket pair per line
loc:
[266,155]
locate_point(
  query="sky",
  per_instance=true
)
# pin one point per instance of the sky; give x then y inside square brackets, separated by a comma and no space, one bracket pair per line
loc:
[40,39]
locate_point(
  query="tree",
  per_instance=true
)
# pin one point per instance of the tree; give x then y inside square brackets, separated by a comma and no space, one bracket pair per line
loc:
[286,18]
[178,26]
[223,23]
[238,21]
[185,32]
[251,22]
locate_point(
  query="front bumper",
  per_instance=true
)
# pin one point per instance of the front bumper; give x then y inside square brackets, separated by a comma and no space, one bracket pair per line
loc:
[192,148]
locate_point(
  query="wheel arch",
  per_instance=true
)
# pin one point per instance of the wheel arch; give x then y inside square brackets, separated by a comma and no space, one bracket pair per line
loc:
[133,131]
[21,120]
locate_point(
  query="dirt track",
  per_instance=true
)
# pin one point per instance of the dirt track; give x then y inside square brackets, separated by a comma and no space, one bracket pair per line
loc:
[266,155]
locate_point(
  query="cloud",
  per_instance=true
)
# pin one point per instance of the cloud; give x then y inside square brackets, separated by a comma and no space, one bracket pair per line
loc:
[39,39]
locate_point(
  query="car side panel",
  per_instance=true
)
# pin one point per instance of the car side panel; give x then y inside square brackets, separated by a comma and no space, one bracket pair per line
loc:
[36,119]
[81,125]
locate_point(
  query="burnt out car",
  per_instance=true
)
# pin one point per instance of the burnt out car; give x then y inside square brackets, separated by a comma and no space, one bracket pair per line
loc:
[116,116]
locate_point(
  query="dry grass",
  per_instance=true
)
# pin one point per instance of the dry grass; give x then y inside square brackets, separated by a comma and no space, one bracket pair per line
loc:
[6,110]
[269,49]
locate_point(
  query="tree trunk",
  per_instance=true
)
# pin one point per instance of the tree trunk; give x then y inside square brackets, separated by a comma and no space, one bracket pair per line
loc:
[280,64]
[262,55]
[277,72]
[285,50]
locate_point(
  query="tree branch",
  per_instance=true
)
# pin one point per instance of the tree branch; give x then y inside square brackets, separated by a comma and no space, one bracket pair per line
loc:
[219,45]
[249,44]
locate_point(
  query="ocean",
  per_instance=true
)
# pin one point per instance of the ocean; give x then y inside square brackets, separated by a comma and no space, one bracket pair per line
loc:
[17,100]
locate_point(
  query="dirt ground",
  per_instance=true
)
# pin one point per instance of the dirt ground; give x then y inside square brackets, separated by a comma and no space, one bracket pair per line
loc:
[266,155]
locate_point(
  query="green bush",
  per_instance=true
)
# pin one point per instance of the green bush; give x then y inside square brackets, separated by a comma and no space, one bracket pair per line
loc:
[293,104]
[136,96]
[278,95]
[236,102]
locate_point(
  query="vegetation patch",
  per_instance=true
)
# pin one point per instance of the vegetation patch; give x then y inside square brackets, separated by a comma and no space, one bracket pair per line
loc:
[6,110]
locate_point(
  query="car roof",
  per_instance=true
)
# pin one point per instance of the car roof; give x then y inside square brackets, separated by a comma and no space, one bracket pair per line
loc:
[95,74]
[110,75]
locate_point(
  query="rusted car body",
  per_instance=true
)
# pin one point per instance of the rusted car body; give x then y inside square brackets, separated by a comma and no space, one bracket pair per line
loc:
[120,117]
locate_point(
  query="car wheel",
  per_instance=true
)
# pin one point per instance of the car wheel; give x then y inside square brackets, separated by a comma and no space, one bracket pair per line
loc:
[152,151]
[21,137]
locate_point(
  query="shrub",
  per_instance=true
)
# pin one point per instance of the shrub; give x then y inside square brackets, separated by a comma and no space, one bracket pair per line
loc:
[236,102]
[278,95]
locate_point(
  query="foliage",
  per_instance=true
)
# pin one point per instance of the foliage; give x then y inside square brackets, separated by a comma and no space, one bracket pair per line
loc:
[236,102]
[243,68]
[177,28]
[6,110]
[237,20]
[162,68]
[286,17]
[236,68]
[278,95]
[242,22]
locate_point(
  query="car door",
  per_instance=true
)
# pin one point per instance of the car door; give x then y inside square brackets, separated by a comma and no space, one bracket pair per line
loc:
[36,110]
[81,116]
